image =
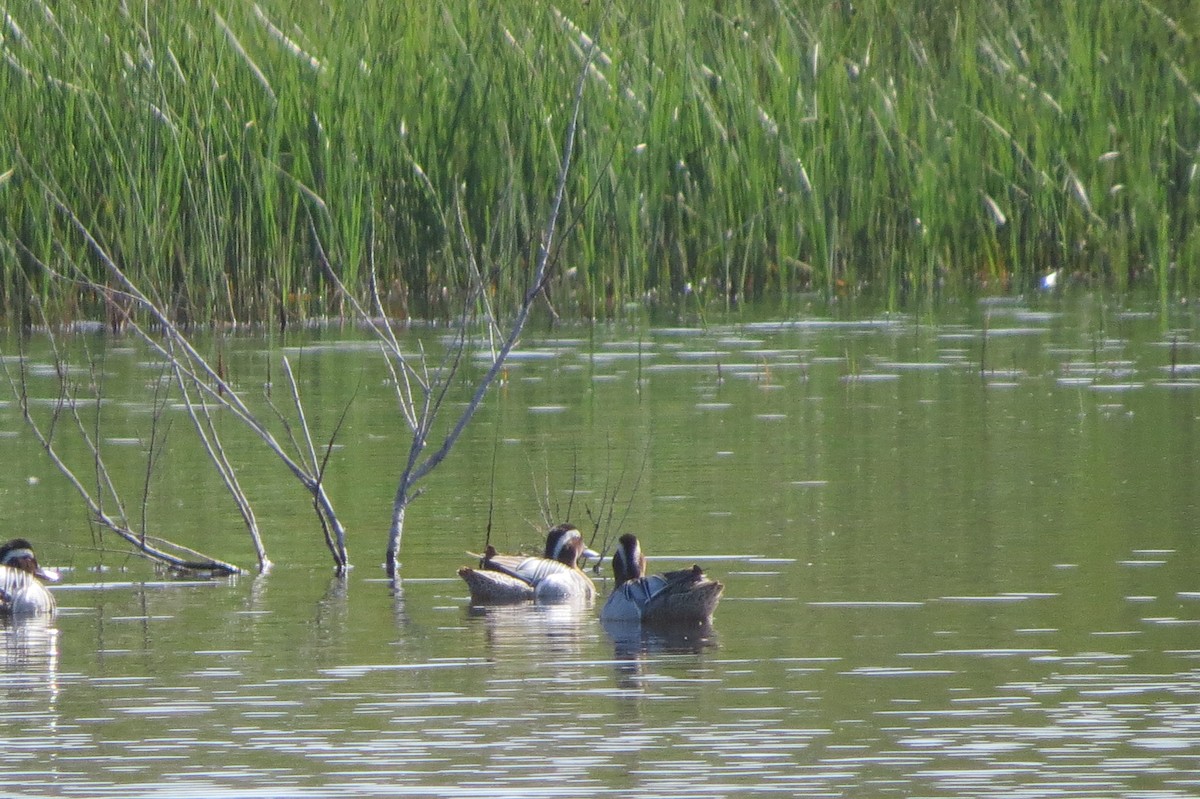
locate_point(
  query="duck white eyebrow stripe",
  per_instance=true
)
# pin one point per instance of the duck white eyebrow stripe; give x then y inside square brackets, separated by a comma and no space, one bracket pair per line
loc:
[13,554]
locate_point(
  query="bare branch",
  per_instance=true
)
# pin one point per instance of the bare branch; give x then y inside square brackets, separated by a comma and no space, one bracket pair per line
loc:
[414,472]
[211,439]
[540,276]
[179,352]
[153,448]
[493,324]
[295,389]
[380,325]
[153,548]
[335,543]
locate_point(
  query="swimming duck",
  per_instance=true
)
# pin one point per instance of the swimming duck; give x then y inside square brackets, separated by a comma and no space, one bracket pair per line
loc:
[683,596]
[21,589]
[554,577]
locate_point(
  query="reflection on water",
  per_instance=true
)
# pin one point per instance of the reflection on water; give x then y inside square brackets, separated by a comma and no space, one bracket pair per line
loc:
[29,689]
[959,555]
[638,650]
[542,630]
[633,641]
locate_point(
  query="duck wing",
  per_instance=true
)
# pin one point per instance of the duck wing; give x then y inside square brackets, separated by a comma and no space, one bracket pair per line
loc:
[493,587]
[681,578]
[685,595]
[529,570]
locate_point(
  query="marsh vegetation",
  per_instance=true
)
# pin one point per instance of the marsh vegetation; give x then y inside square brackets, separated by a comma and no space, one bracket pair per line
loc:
[745,150]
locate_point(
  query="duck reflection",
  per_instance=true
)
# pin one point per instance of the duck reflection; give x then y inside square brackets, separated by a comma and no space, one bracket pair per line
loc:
[636,646]
[549,630]
[29,668]
[635,640]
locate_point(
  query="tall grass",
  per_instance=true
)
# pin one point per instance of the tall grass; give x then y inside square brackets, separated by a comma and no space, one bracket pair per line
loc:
[729,151]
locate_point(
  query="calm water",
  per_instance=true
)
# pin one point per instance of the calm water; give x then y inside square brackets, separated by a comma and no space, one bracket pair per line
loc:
[939,582]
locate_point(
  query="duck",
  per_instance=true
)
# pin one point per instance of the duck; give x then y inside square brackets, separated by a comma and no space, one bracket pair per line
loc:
[554,577]
[685,596]
[21,588]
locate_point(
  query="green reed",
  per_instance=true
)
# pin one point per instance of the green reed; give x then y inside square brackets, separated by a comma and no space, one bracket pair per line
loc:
[893,147]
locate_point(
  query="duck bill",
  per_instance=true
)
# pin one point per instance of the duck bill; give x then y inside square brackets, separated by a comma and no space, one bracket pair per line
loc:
[47,575]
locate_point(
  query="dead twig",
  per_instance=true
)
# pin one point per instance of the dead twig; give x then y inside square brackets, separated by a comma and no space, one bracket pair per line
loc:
[160,550]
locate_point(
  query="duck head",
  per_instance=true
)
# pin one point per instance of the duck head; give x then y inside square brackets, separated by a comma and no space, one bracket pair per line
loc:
[628,561]
[564,543]
[18,554]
